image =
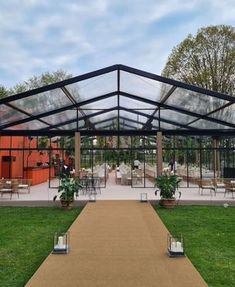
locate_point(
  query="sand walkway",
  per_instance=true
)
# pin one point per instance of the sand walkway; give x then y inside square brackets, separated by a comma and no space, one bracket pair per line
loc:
[117,243]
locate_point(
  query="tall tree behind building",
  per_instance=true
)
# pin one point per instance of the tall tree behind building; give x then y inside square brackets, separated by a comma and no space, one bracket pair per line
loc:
[206,60]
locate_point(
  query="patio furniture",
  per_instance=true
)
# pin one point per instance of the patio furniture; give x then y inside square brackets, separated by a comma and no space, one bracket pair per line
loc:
[25,184]
[9,186]
[205,184]
[90,185]
[126,179]
[218,184]
[229,188]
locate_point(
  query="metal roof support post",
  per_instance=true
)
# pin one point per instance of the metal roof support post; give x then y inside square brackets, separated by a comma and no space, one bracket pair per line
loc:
[77,153]
[159,153]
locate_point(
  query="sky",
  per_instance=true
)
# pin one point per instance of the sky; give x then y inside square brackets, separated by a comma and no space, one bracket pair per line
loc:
[80,36]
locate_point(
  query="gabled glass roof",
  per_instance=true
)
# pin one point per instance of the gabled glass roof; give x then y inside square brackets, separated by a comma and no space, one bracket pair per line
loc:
[117,98]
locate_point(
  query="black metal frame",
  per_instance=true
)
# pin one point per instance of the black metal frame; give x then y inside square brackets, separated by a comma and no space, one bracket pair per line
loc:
[126,127]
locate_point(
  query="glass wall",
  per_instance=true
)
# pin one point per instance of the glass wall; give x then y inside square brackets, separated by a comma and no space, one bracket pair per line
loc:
[191,158]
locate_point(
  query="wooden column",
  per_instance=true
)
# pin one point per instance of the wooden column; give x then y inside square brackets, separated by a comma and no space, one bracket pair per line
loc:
[159,153]
[216,157]
[77,153]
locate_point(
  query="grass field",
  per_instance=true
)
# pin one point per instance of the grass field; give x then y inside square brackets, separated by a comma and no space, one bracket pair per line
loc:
[209,234]
[26,238]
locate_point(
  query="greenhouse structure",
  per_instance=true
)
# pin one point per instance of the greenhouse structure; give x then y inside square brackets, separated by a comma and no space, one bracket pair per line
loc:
[111,119]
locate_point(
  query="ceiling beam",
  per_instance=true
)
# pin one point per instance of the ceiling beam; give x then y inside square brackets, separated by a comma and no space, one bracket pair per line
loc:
[52,133]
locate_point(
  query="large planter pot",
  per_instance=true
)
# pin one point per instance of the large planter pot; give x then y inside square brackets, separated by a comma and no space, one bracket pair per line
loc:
[66,204]
[168,203]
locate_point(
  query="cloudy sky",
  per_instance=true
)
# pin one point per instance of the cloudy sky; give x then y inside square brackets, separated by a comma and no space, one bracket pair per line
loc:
[80,36]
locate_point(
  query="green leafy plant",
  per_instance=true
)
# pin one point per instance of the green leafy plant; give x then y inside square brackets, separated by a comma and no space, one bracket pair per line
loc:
[69,186]
[167,185]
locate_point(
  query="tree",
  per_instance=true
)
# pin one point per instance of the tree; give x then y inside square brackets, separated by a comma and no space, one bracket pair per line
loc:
[40,81]
[46,79]
[206,60]
[3,92]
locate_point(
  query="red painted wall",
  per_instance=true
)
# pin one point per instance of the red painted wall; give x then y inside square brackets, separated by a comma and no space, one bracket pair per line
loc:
[22,159]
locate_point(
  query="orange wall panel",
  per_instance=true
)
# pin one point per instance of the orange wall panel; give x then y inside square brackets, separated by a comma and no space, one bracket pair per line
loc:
[24,159]
[38,175]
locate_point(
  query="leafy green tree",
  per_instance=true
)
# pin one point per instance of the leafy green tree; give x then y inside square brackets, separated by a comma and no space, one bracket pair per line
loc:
[44,79]
[3,92]
[206,60]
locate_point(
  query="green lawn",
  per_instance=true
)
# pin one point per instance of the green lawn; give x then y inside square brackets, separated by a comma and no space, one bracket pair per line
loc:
[209,234]
[26,238]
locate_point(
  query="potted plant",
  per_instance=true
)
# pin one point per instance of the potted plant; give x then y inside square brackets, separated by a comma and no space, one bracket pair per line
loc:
[167,185]
[69,186]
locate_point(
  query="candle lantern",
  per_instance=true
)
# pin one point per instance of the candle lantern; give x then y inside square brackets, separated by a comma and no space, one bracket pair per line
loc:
[143,197]
[61,243]
[175,245]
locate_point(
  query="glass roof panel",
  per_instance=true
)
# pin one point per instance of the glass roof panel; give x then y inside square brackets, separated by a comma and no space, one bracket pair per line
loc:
[9,115]
[93,87]
[102,104]
[167,126]
[103,116]
[176,117]
[70,126]
[129,122]
[32,125]
[132,116]
[140,86]
[137,105]
[43,102]
[204,124]
[127,126]
[105,124]
[164,125]
[155,124]
[226,114]
[61,117]
[195,102]
[143,87]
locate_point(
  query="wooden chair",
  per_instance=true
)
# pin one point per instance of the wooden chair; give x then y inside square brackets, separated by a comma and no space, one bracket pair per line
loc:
[14,187]
[205,184]
[5,186]
[229,188]
[218,183]
[25,184]
[9,186]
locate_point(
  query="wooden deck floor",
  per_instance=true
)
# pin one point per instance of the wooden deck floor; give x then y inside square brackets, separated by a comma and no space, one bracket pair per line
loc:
[117,243]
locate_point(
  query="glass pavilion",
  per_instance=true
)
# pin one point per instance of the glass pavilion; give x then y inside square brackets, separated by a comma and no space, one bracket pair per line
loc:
[118,112]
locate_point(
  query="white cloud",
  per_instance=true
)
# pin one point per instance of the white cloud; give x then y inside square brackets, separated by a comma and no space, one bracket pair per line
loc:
[78,36]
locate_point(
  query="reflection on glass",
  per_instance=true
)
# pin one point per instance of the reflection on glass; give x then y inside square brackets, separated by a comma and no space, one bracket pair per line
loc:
[94,87]
[193,101]
[143,87]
